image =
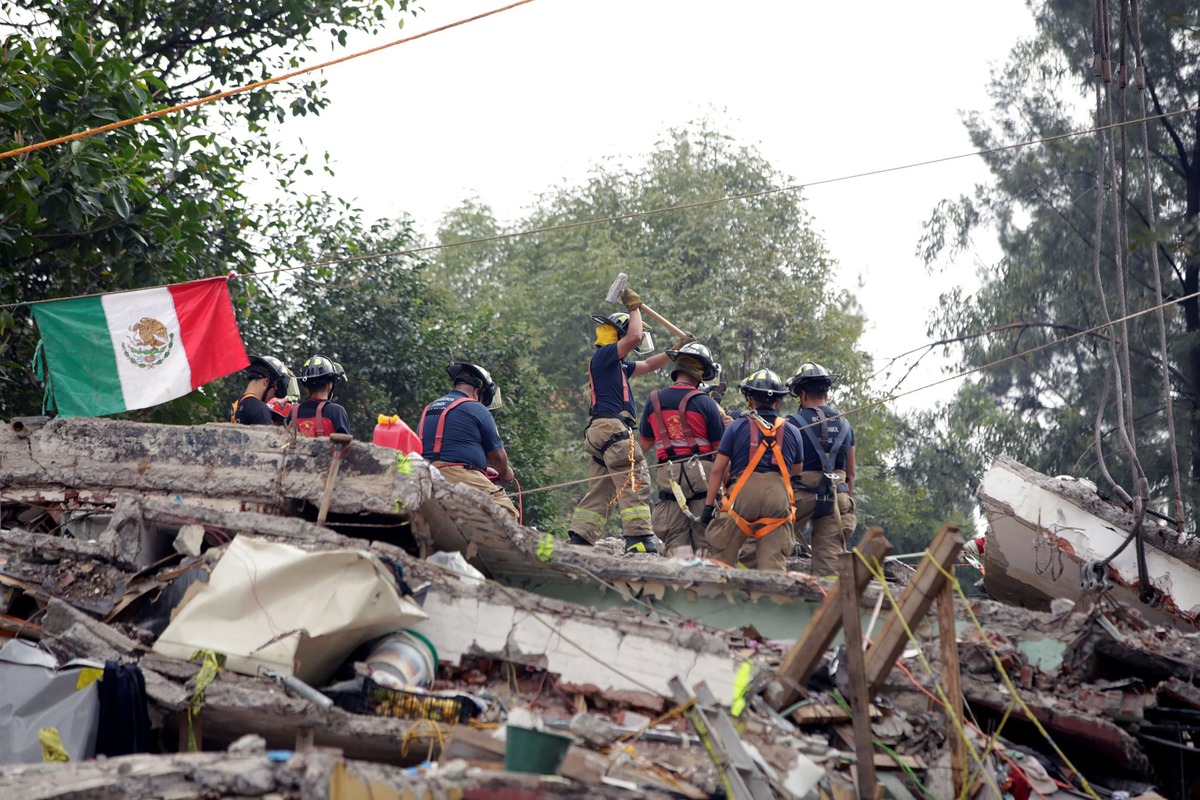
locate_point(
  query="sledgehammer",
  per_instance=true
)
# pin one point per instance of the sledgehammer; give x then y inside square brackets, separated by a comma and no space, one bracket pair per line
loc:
[614,296]
[340,443]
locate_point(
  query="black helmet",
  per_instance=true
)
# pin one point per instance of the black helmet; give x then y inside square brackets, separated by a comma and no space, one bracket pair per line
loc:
[763,384]
[811,377]
[480,378]
[267,367]
[619,320]
[699,352]
[319,370]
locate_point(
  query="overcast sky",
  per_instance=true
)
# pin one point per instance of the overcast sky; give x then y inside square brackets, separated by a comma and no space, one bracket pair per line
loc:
[508,106]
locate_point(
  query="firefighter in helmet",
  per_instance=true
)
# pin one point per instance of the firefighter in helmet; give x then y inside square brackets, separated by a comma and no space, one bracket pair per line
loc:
[683,425]
[825,489]
[319,415]
[267,378]
[755,463]
[618,474]
[459,436]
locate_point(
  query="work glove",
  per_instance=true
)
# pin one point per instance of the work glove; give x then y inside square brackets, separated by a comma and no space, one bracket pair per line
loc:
[631,299]
[682,340]
[706,516]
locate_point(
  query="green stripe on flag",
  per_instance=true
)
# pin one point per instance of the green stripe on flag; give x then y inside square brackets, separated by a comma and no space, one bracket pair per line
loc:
[79,355]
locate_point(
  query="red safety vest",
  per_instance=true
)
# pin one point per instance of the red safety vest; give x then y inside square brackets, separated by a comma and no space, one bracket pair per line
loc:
[311,427]
[673,429]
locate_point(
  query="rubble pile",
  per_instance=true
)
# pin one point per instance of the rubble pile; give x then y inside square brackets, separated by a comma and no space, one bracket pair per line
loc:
[186,631]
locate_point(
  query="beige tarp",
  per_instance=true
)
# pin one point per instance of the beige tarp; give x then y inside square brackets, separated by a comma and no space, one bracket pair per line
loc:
[274,606]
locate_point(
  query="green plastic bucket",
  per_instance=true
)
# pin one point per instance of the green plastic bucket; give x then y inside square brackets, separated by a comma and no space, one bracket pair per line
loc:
[539,752]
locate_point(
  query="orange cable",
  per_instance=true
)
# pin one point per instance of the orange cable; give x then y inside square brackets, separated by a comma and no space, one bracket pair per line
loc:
[112,126]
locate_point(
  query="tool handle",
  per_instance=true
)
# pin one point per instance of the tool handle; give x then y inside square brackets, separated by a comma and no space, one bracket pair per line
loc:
[661,320]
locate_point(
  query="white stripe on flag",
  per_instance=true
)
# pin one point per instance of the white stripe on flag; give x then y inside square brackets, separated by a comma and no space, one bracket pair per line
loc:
[151,362]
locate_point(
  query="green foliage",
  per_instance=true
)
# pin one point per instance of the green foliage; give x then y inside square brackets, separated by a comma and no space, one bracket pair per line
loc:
[750,277]
[159,202]
[1041,408]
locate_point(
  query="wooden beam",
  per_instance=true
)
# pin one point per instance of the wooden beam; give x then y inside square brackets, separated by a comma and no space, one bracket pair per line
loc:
[860,701]
[826,714]
[806,654]
[952,684]
[914,604]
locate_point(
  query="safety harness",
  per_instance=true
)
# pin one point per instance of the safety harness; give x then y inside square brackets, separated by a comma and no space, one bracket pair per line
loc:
[763,436]
[318,425]
[237,405]
[441,429]
[826,446]
[663,434]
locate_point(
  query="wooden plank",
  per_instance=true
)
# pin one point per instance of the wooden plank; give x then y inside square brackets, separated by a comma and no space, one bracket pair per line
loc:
[952,684]
[860,701]
[806,654]
[914,603]
[826,714]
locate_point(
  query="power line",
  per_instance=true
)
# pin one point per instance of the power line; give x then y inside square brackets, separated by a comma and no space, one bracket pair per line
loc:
[957,376]
[162,112]
[334,262]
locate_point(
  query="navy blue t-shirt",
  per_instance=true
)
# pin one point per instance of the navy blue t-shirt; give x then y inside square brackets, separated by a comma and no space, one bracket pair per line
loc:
[470,432]
[609,379]
[812,459]
[703,417]
[253,411]
[736,444]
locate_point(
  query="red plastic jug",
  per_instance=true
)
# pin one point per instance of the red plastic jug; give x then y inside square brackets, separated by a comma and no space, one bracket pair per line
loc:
[394,433]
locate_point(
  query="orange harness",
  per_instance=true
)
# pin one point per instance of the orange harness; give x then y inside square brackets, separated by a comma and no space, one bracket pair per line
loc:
[762,436]
[237,405]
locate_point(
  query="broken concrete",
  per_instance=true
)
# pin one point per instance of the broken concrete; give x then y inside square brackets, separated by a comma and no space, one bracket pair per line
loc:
[1043,530]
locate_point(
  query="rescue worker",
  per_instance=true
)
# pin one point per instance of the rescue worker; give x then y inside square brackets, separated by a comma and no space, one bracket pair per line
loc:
[683,424]
[618,469]
[319,415]
[828,475]
[282,404]
[459,436]
[266,379]
[756,460]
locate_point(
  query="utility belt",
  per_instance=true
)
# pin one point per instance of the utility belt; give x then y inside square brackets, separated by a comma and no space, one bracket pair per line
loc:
[669,496]
[822,486]
[441,464]
[624,416]
[623,437]
[689,473]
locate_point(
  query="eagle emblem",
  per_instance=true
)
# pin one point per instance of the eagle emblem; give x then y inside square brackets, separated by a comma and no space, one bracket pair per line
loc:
[147,343]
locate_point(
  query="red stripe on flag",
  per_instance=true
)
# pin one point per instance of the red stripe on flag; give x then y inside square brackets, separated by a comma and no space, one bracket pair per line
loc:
[209,329]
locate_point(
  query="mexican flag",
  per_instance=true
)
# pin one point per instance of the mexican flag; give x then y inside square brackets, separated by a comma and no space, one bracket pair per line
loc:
[129,350]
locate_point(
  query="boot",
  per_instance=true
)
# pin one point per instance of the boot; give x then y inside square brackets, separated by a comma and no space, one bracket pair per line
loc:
[640,544]
[575,538]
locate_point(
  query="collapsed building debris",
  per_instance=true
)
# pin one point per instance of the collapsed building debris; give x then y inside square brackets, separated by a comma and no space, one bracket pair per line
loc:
[1054,537]
[192,556]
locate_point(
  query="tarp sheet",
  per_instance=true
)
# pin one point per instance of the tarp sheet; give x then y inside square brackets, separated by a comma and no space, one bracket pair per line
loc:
[36,694]
[275,606]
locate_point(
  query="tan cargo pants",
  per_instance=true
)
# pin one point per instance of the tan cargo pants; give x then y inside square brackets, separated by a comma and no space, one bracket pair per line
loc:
[828,541]
[609,472]
[667,519]
[763,496]
[456,473]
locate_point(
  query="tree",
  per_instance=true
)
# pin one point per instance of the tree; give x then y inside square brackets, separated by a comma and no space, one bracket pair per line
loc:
[750,277]
[1043,205]
[155,203]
